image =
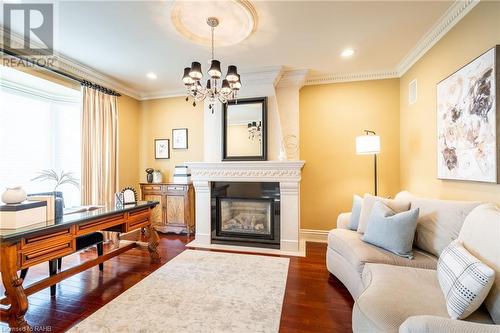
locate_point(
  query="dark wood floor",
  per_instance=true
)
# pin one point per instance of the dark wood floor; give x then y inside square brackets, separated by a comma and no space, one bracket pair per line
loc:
[314,300]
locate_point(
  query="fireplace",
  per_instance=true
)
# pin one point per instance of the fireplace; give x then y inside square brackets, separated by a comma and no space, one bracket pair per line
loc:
[246,213]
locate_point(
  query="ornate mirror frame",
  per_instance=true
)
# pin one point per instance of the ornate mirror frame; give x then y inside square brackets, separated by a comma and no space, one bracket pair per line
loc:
[263,155]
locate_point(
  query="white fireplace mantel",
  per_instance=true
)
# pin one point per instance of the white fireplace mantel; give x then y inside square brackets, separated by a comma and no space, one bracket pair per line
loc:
[286,173]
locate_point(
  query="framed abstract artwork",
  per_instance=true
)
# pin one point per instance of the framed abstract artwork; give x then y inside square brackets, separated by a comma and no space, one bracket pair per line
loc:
[468,121]
[180,138]
[162,149]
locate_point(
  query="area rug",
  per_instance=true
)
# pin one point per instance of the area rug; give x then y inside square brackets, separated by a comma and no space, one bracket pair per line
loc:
[199,291]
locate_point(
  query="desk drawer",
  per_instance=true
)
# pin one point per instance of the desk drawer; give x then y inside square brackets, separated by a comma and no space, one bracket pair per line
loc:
[47,239]
[101,224]
[138,219]
[45,253]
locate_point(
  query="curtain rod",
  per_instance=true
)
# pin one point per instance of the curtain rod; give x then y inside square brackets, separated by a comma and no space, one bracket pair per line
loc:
[83,82]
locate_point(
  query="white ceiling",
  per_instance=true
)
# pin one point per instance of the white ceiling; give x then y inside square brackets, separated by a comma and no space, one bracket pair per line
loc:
[126,40]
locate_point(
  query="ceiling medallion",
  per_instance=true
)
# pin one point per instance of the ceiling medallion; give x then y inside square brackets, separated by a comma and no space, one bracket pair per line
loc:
[237,18]
[229,86]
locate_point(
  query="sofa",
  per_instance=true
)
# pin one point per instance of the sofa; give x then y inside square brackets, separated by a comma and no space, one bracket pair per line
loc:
[396,294]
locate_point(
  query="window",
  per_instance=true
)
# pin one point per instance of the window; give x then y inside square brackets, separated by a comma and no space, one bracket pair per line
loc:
[40,129]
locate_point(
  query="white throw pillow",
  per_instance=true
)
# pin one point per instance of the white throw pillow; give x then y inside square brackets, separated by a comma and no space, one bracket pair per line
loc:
[464,280]
[397,206]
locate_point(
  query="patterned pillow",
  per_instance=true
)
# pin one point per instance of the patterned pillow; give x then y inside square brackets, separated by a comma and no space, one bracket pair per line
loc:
[464,280]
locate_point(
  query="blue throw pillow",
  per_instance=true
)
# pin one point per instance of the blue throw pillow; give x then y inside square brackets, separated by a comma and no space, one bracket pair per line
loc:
[357,201]
[390,231]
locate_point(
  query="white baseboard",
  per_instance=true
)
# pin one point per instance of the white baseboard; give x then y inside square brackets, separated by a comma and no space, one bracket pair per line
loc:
[313,235]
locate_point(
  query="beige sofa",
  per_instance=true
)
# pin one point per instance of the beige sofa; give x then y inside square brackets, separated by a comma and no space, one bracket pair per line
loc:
[397,294]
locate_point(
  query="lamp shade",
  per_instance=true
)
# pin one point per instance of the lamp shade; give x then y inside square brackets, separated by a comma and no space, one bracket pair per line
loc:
[232,74]
[367,144]
[195,72]
[214,70]
[186,79]
[225,89]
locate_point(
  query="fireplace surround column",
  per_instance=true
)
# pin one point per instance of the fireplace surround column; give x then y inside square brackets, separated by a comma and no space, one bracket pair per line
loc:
[290,211]
[202,206]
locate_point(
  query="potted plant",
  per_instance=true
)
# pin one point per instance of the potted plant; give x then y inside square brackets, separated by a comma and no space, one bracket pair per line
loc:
[58,179]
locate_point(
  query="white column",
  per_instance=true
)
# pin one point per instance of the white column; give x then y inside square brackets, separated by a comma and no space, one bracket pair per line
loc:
[212,137]
[203,213]
[290,216]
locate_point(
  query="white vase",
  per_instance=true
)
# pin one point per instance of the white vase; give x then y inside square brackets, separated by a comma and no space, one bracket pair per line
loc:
[14,195]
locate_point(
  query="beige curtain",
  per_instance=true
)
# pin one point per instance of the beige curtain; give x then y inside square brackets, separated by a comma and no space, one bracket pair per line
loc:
[99,148]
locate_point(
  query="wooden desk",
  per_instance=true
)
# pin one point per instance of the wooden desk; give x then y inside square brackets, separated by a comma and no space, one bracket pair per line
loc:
[31,245]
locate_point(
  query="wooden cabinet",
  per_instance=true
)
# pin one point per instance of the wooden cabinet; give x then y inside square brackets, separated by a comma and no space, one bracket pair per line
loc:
[175,213]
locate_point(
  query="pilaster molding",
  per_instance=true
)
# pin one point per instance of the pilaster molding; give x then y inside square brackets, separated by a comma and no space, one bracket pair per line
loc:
[289,188]
[452,16]
[202,186]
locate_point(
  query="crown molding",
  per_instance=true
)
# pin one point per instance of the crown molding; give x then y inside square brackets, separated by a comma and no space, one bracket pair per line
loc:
[292,78]
[350,77]
[453,15]
[162,94]
[71,66]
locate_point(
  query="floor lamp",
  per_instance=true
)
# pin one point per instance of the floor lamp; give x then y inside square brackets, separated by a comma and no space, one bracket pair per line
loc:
[369,144]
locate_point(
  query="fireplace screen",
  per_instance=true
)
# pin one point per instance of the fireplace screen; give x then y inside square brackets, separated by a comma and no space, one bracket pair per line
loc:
[246,216]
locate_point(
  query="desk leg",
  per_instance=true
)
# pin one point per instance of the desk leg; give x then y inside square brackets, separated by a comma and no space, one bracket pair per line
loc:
[153,242]
[14,289]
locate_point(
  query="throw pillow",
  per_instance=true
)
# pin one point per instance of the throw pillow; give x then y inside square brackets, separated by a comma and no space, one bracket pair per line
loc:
[392,231]
[440,222]
[464,280]
[366,208]
[357,201]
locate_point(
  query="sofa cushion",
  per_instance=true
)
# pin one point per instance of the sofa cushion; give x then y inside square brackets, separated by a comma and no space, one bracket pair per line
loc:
[357,203]
[480,235]
[394,293]
[390,231]
[439,222]
[366,208]
[348,243]
[464,280]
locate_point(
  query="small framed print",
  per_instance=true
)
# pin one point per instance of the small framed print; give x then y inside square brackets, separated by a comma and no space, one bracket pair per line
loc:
[180,138]
[162,149]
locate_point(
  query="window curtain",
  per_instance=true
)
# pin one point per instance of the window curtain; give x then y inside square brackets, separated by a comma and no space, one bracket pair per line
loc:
[99,149]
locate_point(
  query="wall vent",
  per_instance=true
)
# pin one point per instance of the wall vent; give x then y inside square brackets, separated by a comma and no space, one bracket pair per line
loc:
[412,92]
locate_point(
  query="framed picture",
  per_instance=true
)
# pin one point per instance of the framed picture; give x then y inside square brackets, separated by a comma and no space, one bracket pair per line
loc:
[468,121]
[162,149]
[180,138]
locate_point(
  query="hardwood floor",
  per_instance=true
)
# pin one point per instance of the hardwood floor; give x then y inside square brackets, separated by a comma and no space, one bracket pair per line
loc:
[314,300]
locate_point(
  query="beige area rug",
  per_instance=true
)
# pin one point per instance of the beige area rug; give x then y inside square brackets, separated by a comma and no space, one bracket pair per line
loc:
[199,291]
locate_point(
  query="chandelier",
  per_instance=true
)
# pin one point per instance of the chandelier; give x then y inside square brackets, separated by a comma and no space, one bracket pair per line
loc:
[229,86]
[255,130]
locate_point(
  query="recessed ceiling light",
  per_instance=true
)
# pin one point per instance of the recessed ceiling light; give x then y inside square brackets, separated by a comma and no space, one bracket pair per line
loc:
[151,76]
[347,53]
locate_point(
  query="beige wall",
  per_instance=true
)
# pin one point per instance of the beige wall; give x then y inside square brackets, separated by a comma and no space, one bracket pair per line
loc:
[128,141]
[331,116]
[158,118]
[473,35]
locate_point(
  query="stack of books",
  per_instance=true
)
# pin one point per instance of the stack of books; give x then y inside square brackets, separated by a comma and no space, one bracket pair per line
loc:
[182,175]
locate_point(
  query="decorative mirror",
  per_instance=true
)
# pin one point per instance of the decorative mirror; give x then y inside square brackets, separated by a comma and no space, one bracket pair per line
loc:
[244,130]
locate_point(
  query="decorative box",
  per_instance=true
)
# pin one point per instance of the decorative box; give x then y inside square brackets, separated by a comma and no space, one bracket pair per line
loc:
[21,215]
